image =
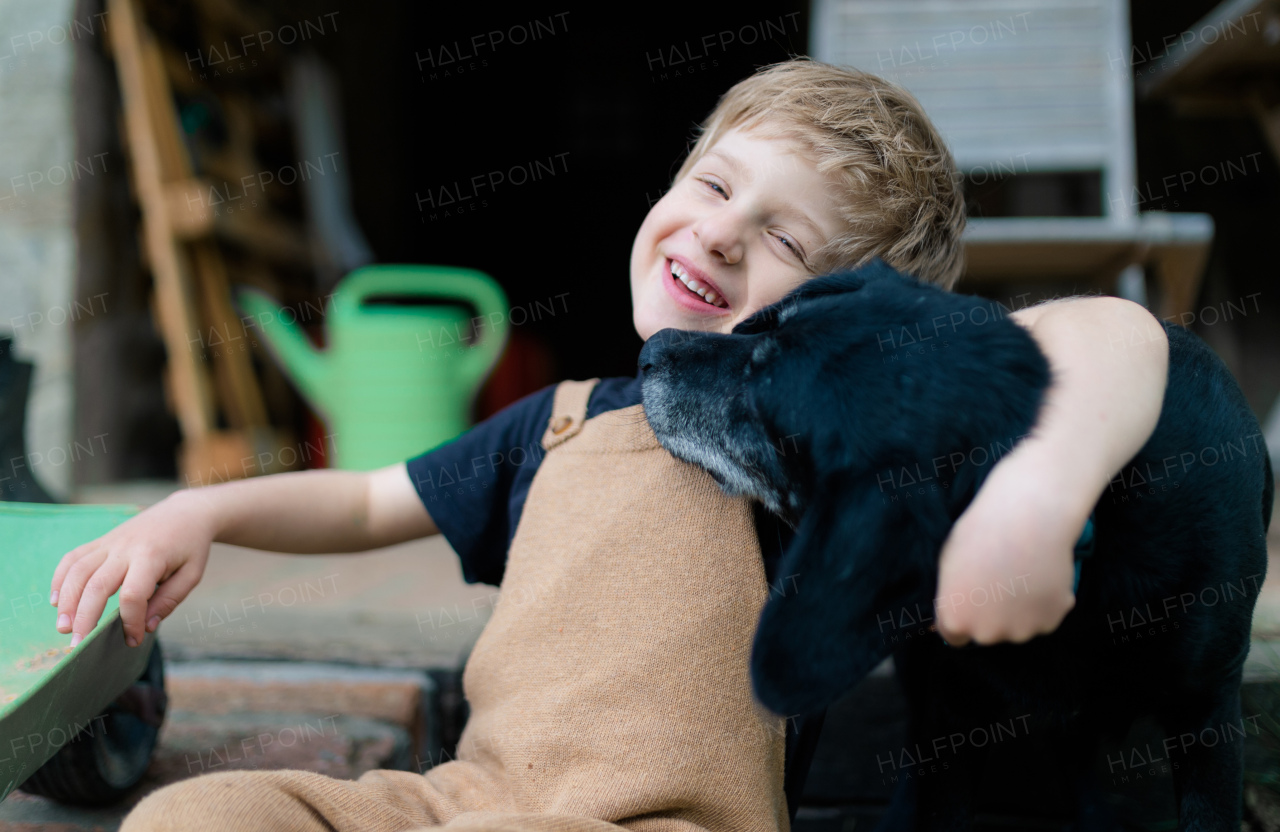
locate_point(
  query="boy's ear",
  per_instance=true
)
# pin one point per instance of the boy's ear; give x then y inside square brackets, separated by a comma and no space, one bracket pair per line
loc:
[862,568]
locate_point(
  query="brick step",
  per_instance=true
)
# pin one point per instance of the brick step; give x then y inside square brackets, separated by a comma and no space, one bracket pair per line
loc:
[399,697]
[337,720]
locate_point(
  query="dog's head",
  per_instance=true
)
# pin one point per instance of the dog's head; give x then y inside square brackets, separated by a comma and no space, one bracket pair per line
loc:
[823,407]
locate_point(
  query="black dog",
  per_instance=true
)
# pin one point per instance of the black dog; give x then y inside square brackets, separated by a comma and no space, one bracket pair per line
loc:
[838,405]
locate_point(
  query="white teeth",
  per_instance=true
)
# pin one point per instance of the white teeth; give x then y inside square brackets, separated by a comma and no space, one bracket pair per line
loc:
[706,294]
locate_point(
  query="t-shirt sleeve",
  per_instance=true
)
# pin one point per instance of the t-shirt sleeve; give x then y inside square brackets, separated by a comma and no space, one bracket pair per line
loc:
[468,484]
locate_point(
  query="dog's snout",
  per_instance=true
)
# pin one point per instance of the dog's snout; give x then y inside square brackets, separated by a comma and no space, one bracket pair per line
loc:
[655,351]
[670,350]
[647,356]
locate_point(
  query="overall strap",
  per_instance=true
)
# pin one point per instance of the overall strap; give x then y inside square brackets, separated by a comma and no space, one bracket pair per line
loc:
[568,411]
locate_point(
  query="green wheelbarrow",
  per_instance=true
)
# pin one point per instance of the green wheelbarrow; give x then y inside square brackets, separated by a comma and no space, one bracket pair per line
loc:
[76,725]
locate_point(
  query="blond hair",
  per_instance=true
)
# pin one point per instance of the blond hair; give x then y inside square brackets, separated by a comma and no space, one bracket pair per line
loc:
[901,197]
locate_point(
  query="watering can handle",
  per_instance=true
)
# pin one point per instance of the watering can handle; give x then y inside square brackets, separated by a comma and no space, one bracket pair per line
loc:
[476,288]
[491,323]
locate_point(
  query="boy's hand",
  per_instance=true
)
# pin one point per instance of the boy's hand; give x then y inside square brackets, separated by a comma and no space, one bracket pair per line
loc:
[167,544]
[1007,568]
[1109,361]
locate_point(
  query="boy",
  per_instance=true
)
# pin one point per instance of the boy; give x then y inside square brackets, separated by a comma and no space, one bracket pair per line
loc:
[612,691]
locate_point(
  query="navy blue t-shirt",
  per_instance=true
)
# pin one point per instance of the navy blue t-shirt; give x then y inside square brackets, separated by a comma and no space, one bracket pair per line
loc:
[474,487]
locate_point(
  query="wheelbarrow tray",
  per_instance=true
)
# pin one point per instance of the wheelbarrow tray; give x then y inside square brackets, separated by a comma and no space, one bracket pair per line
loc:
[49,691]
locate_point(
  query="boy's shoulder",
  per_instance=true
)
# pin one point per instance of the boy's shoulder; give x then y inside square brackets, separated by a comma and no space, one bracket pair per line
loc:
[525,419]
[614,394]
[474,485]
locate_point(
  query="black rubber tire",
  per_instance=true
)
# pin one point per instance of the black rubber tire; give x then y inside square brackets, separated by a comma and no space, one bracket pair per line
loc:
[103,763]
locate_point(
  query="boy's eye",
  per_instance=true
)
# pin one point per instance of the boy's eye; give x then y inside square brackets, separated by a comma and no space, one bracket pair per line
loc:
[795,249]
[715,186]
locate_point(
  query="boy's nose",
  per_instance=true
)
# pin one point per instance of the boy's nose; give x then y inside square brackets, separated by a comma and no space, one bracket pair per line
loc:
[720,236]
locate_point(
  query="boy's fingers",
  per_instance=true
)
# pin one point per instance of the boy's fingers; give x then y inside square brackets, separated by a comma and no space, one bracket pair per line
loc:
[171,593]
[73,585]
[956,633]
[105,581]
[64,566]
[954,638]
[138,587]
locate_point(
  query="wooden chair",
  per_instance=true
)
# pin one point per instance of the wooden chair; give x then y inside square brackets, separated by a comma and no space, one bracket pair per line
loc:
[1227,64]
[1043,87]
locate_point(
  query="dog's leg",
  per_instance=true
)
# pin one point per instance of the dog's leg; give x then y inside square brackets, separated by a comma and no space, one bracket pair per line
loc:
[944,801]
[901,816]
[1206,736]
[934,801]
[936,794]
[1093,814]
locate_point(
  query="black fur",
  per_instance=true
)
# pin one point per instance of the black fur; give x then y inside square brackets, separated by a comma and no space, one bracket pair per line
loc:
[840,408]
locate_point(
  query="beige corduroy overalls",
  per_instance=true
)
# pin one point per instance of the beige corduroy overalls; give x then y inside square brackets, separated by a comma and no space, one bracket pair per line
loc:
[610,688]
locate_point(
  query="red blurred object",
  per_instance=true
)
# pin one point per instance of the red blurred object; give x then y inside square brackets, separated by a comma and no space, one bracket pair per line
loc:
[315,449]
[525,366]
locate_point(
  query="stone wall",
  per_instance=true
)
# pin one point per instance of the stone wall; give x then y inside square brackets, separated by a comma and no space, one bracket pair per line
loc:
[38,170]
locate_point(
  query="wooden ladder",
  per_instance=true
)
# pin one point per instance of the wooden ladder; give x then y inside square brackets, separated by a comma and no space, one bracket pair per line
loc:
[192,298]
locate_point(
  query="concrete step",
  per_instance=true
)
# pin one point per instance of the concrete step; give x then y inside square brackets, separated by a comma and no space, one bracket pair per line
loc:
[402,606]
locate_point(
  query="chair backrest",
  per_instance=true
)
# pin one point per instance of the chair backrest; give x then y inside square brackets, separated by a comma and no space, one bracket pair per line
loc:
[1015,86]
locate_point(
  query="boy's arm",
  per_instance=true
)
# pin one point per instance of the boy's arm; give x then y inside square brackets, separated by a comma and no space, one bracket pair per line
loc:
[1109,362]
[158,556]
[317,512]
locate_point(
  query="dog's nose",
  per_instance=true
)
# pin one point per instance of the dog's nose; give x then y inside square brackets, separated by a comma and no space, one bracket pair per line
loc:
[649,353]
[646,357]
[667,347]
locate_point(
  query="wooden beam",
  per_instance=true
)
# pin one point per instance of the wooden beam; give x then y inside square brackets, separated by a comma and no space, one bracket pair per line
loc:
[226,338]
[150,130]
[163,177]
[1178,270]
[1268,116]
[259,231]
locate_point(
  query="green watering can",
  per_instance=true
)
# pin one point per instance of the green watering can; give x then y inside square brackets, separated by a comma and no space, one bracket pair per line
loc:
[396,379]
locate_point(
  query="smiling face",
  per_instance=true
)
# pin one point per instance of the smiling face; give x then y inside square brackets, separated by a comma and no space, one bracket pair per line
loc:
[732,237]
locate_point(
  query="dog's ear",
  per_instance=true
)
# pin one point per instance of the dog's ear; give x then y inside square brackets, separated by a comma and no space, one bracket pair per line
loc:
[860,576]
[768,318]
[836,283]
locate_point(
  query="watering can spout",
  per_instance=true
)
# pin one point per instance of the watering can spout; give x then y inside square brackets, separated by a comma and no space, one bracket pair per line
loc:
[308,367]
